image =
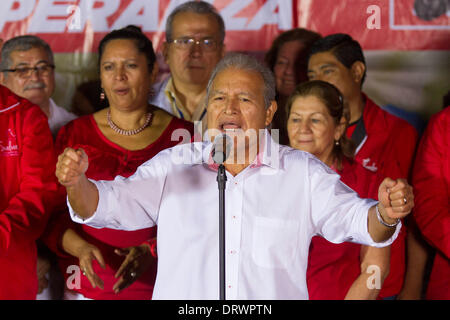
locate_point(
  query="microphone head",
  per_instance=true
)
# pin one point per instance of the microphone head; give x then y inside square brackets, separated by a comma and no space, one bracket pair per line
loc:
[221,148]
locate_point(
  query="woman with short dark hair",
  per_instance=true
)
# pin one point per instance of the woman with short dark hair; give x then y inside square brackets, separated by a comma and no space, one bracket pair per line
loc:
[117,139]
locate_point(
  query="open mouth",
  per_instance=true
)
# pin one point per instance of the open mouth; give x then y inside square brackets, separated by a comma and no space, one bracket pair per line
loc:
[196,66]
[121,92]
[229,126]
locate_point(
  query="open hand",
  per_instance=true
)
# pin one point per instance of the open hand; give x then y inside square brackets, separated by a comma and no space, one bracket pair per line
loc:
[138,260]
[86,255]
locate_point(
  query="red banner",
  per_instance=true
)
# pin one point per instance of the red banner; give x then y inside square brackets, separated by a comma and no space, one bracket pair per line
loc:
[78,25]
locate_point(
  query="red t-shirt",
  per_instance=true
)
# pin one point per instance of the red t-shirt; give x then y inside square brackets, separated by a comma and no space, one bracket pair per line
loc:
[431,181]
[106,161]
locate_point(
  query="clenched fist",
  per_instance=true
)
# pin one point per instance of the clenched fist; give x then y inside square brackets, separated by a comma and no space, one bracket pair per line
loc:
[71,167]
[397,199]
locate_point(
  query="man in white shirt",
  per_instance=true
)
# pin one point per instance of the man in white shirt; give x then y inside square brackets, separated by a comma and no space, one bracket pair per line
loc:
[28,69]
[277,198]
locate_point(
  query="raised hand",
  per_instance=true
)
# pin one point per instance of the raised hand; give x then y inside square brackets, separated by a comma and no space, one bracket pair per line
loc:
[71,167]
[396,199]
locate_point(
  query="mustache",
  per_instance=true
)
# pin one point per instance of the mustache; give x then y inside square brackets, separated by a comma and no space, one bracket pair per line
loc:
[35,85]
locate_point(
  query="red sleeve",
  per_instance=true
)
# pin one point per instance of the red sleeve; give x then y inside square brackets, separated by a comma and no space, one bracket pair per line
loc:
[431,184]
[26,214]
[406,149]
[399,159]
[60,220]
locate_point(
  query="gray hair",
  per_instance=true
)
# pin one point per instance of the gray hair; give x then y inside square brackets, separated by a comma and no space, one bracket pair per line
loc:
[199,7]
[22,43]
[248,63]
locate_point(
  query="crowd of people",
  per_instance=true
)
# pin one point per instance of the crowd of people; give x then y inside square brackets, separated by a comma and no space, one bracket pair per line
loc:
[324,186]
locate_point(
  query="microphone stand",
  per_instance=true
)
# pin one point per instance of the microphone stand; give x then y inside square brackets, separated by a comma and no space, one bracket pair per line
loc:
[221,181]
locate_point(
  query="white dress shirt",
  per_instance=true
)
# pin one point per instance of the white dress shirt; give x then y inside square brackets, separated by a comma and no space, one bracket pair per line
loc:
[58,117]
[273,208]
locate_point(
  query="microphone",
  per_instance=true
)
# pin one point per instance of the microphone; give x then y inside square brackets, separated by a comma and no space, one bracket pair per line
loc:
[222,148]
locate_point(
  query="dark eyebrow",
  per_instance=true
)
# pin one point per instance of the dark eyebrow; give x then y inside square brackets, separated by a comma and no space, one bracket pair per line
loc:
[327,65]
[126,61]
[323,66]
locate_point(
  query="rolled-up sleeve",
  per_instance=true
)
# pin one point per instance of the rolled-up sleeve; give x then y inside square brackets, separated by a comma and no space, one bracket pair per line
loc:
[129,203]
[338,214]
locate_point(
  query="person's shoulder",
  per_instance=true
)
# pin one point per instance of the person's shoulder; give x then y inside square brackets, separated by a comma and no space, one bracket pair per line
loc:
[181,123]
[180,156]
[292,158]
[441,117]
[81,121]
[11,102]
[62,112]
[380,120]
[438,128]
[161,83]
[79,125]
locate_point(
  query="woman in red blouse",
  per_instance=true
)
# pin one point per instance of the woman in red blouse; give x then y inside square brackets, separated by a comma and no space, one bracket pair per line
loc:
[117,140]
[316,123]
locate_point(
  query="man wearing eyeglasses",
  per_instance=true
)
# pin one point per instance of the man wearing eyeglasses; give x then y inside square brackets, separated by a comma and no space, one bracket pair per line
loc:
[27,68]
[195,32]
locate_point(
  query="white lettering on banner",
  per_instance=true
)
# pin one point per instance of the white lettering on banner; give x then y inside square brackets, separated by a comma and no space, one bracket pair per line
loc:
[10,12]
[97,16]
[55,16]
[74,21]
[148,20]
[265,15]
[230,11]
[374,21]
[40,21]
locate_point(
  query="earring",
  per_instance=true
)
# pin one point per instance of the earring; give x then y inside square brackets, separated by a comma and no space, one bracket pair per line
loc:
[337,143]
[102,95]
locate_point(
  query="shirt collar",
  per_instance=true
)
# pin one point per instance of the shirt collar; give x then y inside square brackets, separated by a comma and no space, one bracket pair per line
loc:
[268,154]
[51,108]
[178,109]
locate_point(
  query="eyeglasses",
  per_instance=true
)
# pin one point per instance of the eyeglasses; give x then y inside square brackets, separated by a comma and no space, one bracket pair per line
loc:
[26,72]
[206,44]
